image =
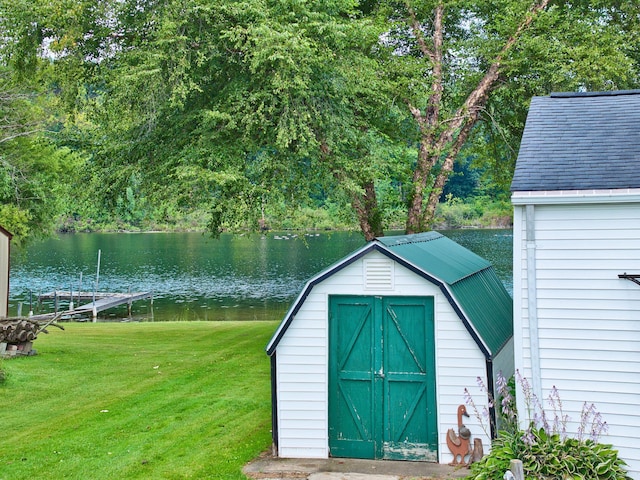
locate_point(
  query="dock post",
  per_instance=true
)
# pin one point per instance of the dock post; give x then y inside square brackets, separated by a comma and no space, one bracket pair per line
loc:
[94,311]
[129,302]
[30,303]
[71,298]
[98,269]
[19,309]
[55,301]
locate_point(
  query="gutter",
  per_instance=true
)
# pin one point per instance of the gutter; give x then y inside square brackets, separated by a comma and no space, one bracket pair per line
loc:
[565,197]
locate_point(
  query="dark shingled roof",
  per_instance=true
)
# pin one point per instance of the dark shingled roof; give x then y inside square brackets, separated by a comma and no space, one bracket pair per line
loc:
[580,141]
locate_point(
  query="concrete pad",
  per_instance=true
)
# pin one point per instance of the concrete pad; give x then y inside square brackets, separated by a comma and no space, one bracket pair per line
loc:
[267,467]
[350,476]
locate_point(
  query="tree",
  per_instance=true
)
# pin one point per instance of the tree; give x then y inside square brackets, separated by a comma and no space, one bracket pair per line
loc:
[449,57]
[34,180]
[311,87]
[33,183]
[247,103]
[239,103]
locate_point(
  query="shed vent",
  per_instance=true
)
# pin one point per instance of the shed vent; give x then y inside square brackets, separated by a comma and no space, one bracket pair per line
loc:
[378,274]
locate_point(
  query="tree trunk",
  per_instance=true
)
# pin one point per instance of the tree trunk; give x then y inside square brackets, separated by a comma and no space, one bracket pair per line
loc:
[459,126]
[426,161]
[368,211]
[428,121]
[365,204]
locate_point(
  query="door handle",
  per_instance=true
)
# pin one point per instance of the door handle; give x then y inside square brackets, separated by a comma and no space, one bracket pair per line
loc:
[379,374]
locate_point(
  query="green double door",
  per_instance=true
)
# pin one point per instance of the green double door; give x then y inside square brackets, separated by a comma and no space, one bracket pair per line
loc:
[382,402]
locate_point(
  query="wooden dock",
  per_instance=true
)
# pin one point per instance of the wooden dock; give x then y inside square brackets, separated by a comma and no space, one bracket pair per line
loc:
[103,301]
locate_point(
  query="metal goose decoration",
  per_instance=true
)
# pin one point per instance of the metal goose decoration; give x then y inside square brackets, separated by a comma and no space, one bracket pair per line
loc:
[459,443]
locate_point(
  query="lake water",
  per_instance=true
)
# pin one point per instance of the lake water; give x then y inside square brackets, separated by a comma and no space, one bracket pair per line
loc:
[195,277]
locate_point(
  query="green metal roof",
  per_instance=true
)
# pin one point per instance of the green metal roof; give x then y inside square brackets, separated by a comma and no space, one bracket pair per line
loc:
[468,281]
[476,289]
[437,254]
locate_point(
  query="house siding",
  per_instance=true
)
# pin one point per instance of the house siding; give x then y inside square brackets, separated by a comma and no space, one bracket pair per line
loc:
[588,318]
[302,359]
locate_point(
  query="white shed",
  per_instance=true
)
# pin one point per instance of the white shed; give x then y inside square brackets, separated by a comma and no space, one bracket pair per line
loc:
[5,244]
[576,197]
[372,359]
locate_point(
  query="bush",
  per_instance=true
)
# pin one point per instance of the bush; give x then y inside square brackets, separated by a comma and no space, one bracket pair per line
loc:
[545,449]
[475,212]
[549,457]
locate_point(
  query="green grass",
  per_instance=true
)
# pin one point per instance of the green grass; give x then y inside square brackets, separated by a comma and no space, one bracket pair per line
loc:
[138,400]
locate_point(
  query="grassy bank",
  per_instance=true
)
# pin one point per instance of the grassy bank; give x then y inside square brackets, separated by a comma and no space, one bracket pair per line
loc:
[138,400]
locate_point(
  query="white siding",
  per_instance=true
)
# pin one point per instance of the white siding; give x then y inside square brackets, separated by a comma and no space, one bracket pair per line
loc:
[302,359]
[503,362]
[589,319]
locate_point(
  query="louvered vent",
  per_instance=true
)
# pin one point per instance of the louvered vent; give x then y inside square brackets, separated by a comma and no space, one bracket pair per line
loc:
[378,274]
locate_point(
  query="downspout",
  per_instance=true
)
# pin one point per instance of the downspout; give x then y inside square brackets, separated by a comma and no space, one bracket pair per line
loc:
[532,297]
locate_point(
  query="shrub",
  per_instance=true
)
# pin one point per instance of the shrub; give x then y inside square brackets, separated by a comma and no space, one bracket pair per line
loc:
[545,449]
[476,212]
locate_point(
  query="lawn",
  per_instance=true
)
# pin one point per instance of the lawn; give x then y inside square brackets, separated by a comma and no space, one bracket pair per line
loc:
[138,400]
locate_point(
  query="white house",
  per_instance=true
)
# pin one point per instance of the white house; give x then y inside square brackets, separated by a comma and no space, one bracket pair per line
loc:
[372,359]
[576,197]
[5,243]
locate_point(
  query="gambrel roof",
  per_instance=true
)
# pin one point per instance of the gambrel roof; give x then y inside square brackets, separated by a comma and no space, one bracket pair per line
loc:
[580,141]
[468,281]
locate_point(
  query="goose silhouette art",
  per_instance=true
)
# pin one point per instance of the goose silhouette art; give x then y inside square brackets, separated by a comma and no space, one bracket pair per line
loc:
[459,443]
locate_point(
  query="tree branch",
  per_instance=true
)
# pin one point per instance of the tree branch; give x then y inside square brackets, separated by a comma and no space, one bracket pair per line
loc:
[457,132]
[21,134]
[478,97]
[417,33]
[429,120]
[433,108]
[418,116]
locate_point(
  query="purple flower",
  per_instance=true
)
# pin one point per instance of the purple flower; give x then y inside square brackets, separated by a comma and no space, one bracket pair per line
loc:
[528,437]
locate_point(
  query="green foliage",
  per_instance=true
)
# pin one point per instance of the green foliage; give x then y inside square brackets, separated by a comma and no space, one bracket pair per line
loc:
[550,457]
[545,449]
[320,218]
[35,171]
[34,186]
[478,211]
[246,109]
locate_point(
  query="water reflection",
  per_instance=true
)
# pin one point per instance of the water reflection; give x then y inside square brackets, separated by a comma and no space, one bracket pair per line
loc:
[195,277]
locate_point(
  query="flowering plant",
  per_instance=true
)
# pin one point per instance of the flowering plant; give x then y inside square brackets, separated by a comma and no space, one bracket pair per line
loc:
[545,448]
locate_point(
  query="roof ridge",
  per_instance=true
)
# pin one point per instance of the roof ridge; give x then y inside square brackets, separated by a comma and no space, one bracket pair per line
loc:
[395,240]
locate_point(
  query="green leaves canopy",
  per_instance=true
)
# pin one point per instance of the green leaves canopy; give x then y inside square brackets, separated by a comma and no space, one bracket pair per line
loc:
[247,104]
